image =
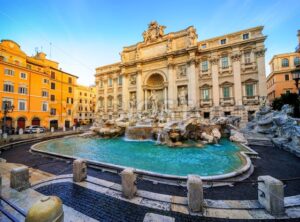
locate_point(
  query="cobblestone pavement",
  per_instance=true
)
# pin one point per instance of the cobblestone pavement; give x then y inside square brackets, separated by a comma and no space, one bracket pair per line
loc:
[106,208]
[277,163]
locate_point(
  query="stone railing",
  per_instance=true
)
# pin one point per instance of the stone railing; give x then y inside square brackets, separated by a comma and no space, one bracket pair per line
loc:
[229,101]
[206,102]
[251,100]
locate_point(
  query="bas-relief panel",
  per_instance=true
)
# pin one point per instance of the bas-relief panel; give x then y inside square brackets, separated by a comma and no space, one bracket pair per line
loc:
[155,65]
[180,43]
[154,50]
[131,56]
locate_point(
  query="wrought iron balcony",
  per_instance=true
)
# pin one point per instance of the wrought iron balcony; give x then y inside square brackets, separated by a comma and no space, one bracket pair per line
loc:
[250,100]
[206,102]
[228,101]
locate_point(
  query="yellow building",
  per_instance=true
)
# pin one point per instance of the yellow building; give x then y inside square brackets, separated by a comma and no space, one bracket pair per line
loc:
[41,93]
[85,101]
[280,80]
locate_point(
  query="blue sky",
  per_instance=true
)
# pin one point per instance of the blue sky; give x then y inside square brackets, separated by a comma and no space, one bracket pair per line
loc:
[86,34]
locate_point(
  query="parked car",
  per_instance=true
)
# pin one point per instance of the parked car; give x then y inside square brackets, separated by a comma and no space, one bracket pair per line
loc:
[34,129]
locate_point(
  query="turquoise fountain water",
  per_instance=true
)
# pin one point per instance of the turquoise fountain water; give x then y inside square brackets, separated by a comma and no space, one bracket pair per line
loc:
[146,155]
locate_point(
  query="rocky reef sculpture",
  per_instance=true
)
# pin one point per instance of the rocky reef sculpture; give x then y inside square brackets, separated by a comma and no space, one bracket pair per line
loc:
[277,126]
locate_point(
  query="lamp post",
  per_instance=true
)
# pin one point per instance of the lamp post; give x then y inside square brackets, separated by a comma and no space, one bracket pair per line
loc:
[8,108]
[296,77]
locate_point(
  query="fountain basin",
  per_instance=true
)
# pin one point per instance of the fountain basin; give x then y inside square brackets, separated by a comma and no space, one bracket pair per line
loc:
[210,162]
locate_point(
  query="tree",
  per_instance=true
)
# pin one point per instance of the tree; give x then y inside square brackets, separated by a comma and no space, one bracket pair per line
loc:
[289,98]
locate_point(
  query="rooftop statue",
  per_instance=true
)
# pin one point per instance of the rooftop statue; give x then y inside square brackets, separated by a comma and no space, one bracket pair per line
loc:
[154,32]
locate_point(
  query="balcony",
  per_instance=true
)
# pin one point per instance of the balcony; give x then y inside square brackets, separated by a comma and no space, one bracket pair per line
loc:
[251,100]
[206,102]
[229,101]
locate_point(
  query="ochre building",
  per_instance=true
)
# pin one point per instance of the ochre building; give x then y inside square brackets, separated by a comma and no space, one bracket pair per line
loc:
[280,80]
[177,74]
[85,102]
[41,93]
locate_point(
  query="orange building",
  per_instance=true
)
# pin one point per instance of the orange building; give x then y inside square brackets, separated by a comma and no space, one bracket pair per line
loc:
[280,80]
[40,92]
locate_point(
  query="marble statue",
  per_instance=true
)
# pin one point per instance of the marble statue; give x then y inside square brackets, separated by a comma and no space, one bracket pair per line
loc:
[132,80]
[153,101]
[132,102]
[182,96]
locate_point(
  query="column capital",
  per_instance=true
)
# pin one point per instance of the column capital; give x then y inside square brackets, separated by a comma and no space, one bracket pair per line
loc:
[214,60]
[236,57]
[260,52]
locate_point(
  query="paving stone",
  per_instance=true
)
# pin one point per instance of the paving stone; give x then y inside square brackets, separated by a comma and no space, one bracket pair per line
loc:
[151,217]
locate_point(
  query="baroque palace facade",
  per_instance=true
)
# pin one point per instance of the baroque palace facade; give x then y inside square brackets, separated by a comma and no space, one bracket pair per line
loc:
[280,80]
[178,74]
[41,93]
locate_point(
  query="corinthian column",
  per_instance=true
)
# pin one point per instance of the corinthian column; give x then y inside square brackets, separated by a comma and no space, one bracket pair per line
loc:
[261,70]
[171,87]
[192,84]
[215,81]
[139,91]
[125,92]
[236,66]
[105,94]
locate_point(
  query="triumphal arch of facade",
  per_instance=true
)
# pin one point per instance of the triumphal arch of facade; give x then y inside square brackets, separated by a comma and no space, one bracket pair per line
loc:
[176,74]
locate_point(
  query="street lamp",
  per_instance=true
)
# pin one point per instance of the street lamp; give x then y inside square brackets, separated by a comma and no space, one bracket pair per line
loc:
[296,77]
[8,108]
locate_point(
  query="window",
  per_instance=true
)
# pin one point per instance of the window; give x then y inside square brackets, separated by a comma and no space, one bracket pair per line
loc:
[70,80]
[22,90]
[296,61]
[72,101]
[85,94]
[9,72]
[284,63]
[80,93]
[287,91]
[69,112]
[7,102]
[120,80]
[286,77]
[245,36]
[247,57]
[205,94]
[22,105]
[203,46]
[52,85]
[8,87]
[44,106]
[224,62]
[45,81]
[206,115]
[23,75]
[44,93]
[110,82]
[52,111]
[52,75]
[101,83]
[227,113]
[70,89]
[204,66]
[80,101]
[52,97]
[223,41]
[249,90]
[226,93]
[109,102]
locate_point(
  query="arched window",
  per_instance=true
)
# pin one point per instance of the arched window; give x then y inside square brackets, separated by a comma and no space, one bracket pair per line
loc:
[296,61]
[284,63]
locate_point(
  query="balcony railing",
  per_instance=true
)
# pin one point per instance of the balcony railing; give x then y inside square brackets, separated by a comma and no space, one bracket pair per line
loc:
[228,101]
[250,100]
[206,102]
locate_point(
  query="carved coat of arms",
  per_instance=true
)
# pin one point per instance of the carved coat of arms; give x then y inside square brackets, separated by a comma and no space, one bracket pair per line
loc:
[154,32]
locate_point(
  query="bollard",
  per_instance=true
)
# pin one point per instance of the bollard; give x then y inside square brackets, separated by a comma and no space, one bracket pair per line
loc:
[38,131]
[74,128]
[79,170]
[195,193]
[19,178]
[21,131]
[48,208]
[271,194]
[52,129]
[4,135]
[64,129]
[128,183]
